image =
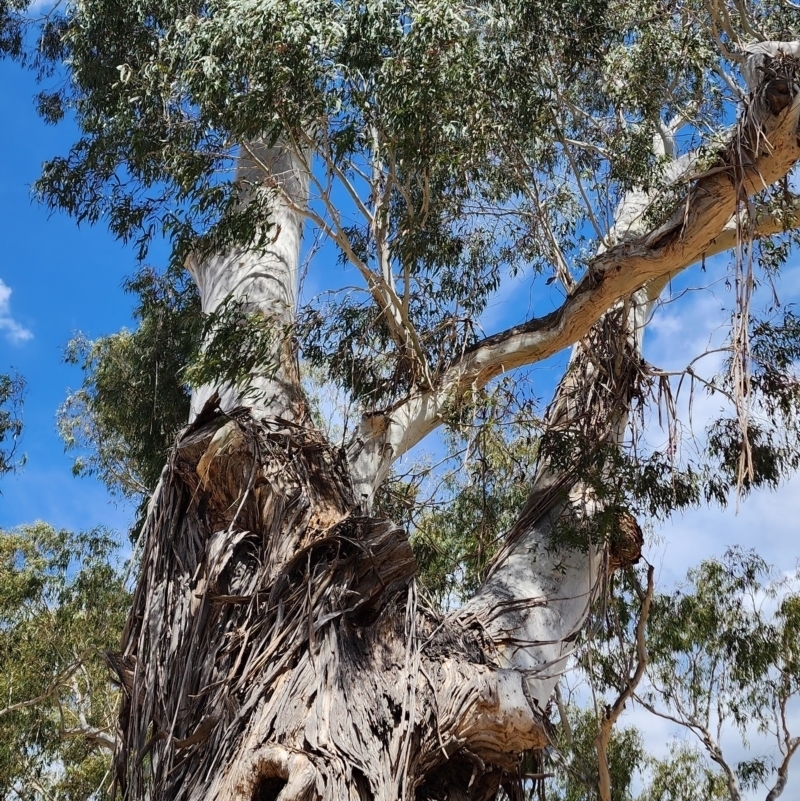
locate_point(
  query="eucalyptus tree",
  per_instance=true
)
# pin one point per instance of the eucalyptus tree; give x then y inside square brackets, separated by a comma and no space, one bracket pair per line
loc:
[62,602]
[277,647]
[726,646]
[716,659]
[12,389]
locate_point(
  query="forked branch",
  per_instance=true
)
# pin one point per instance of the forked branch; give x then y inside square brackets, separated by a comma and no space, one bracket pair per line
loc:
[704,222]
[612,713]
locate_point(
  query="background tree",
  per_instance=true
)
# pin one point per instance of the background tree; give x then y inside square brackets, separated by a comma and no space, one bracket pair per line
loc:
[726,647]
[276,646]
[716,659]
[133,401]
[11,392]
[62,602]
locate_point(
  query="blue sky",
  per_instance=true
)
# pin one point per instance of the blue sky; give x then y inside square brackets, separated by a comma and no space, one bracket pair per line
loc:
[57,279]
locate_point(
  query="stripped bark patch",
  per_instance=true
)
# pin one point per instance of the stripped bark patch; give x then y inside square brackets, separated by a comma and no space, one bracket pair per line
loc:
[275,648]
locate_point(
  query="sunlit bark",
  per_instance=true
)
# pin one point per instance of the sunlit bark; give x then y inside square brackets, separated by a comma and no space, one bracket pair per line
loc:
[262,281]
[276,648]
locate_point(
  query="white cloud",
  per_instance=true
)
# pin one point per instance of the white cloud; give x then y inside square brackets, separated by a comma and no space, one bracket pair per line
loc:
[13,330]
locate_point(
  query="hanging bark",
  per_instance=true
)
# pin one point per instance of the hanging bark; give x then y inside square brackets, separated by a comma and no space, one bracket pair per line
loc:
[540,590]
[276,648]
[275,642]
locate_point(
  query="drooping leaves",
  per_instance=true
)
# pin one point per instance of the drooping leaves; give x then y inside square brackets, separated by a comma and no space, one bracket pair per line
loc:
[134,397]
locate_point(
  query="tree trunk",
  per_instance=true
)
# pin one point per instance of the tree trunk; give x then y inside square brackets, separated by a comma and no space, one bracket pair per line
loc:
[276,648]
[261,282]
[276,643]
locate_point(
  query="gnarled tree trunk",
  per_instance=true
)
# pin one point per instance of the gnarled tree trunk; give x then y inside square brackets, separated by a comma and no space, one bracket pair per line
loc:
[276,648]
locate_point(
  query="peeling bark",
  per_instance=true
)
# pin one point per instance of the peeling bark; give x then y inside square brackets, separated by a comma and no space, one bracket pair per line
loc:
[276,648]
[761,151]
[275,643]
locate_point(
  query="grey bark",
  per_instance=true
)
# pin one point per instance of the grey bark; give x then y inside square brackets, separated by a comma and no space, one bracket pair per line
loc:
[276,647]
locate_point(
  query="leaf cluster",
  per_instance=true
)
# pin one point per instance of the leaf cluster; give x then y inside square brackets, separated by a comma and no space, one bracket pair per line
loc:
[684,776]
[720,649]
[452,143]
[134,397]
[12,389]
[722,652]
[62,603]
[239,346]
[578,776]
[458,511]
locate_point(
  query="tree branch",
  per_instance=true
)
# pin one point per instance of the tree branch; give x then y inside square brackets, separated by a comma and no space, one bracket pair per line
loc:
[783,771]
[50,692]
[765,223]
[762,150]
[93,735]
[788,746]
[613,712]
[380,284]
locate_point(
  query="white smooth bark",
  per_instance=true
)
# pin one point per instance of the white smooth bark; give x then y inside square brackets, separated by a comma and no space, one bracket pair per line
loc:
[262,281]
[539,593]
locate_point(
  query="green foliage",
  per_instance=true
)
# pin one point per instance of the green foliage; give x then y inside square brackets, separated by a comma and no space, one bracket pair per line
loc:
[472,137]
[717,649]
[455,534]
[134,397]
[240,346]
[721,654]
[62,603]
[574,758]
[136,387]
[684,776]
[12,389]
[12,27]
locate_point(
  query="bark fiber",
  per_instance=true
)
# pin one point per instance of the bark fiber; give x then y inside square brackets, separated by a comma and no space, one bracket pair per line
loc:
[276,648]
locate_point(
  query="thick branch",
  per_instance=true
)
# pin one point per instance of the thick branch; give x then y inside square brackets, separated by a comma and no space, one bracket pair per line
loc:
[783,771]
[762,150]
[540,589]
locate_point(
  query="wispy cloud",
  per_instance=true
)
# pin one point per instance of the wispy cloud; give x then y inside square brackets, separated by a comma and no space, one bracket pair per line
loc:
[13,330]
